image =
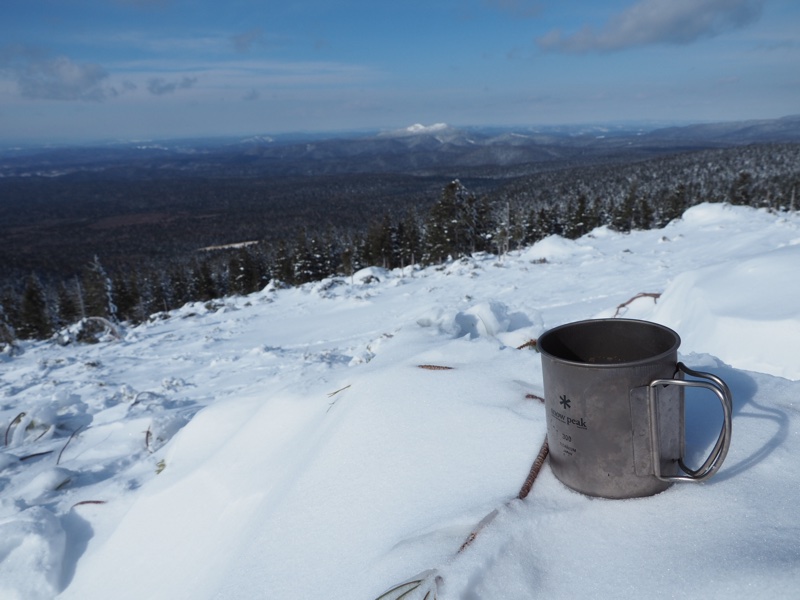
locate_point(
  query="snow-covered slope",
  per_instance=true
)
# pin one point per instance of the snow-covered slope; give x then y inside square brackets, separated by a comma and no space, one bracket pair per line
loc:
[310,443]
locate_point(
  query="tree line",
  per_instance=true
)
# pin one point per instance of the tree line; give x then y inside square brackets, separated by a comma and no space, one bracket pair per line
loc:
[458,223]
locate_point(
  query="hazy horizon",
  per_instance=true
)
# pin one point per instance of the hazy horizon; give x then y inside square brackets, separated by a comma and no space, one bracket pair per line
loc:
[168,69]
[223,138]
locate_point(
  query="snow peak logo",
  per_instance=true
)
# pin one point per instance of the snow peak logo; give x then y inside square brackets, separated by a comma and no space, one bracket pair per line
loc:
[567,420]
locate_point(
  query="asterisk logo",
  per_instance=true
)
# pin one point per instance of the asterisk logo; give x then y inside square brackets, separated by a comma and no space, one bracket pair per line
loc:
[564,401]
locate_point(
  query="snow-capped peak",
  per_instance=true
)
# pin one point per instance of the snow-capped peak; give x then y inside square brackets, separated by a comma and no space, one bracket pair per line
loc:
[419,128]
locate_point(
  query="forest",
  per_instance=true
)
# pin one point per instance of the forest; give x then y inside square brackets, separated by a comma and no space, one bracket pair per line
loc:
[103,251]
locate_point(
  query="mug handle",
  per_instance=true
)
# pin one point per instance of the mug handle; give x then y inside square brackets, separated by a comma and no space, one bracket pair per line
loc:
[720,450]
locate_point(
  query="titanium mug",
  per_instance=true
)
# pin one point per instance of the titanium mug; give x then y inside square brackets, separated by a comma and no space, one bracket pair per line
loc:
[614,396]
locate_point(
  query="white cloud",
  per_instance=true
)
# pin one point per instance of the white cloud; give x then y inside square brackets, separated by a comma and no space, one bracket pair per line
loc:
[657,21]
[40,76]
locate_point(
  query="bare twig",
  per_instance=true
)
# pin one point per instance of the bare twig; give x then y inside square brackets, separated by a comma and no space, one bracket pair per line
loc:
[41,435]
[16,420]
[63,484]
[435,367]
[654,295]
[82,502]
[430,580]
[35,455]
[403,589]
[427,582]
[332,394]
[477,529]
[529,344]
[147,436]
[74,433]
[139,395]
[523,492]
[535,468]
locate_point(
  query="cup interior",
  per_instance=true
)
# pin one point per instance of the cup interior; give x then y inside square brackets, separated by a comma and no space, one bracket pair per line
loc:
[608,342]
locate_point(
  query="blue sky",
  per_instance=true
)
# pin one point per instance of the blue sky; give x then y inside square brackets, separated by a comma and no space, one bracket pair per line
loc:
[78,70]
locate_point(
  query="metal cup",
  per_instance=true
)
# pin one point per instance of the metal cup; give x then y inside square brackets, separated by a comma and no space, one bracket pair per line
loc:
[614,396]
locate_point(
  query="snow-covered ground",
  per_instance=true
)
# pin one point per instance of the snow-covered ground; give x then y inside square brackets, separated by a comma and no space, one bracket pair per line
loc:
[288,444]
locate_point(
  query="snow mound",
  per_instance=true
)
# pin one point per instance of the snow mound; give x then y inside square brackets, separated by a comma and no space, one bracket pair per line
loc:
[707,214]
[554,248]
[371,275]
[489,320]
[746,313]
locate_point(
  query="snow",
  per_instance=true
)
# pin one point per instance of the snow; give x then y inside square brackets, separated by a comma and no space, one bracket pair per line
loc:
[419,128]
[337,439]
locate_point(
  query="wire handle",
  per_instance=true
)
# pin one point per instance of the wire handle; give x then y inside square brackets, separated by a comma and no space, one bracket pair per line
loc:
[720,450]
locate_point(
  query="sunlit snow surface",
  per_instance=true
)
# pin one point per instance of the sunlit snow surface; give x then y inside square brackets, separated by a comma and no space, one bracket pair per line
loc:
[288,444]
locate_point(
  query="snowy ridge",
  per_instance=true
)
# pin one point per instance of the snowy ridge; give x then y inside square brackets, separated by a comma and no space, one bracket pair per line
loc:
[418,128]
[288,444]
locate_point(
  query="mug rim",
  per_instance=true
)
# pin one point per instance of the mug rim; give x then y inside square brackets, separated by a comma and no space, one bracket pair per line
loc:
[543,342]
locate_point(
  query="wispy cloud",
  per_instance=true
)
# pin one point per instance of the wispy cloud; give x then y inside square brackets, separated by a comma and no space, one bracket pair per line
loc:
[158,86]
[41,76]
[657,22]
[137,40]
[244,42]
[242,74]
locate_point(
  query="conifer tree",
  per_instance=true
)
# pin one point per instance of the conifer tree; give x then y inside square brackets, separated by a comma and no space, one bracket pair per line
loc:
[677,203]
[644,215]
[346,258]
[205,286]
[10,301]
[7,334]
[538,225]
[550,223]
[128,298]
[623,213]
[330,245]
[408,242]
[576,219]
[451,224]
[482,224]
[317,259]
[501,236]
[379,243]
[34,320]
[741,191]
[283,263]
[69,310]
[151,294]
[305,260]
[98,292]
[244,272]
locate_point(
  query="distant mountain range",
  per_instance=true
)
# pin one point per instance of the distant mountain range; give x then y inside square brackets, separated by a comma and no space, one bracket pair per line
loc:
[786,129]
[418,149]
